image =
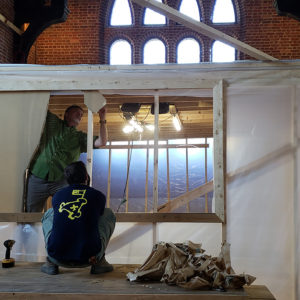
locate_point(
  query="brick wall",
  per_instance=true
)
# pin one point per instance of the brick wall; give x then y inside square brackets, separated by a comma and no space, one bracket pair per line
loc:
[276,35]
[6,34]
[82,39]
[75,41]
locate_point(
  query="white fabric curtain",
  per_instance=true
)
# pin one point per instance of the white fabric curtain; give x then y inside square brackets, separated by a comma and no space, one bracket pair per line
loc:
[22,117]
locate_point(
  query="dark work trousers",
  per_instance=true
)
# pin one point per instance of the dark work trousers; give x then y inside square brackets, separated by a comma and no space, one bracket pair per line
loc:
[39,190]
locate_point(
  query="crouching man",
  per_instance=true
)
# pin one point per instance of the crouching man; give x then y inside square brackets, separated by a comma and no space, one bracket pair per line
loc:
[78,227]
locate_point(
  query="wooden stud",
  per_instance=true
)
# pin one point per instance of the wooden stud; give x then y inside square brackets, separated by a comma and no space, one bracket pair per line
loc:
[108,177]
[168,173]
[184,198]
[127,175]
[155,154]
[187,174]
[147,177]
[200,27]
[89,159]
[11,25]
[205,166]
[218,150]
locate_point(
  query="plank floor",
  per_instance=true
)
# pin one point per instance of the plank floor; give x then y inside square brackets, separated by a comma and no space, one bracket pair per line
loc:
[25,281]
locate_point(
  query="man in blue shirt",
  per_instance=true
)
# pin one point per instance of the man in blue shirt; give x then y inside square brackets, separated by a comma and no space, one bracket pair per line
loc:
[78,227]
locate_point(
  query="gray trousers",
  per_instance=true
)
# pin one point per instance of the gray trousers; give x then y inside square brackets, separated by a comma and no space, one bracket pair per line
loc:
[106,226]
[39,190]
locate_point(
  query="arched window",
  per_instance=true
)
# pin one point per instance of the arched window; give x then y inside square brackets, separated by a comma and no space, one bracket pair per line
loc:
[154,52]
[121,13]
[188,51]
[222,52]
[153,18]
[120,53]
[190,8]
[223,12]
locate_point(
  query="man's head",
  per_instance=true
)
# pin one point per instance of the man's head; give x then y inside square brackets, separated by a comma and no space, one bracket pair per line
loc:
[73,115]
[76,173]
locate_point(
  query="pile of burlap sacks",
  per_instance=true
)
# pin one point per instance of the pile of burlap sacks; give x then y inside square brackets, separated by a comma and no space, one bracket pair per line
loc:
[186,265]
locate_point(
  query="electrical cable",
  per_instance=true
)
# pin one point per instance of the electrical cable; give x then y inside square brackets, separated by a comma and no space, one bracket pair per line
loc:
[123,200]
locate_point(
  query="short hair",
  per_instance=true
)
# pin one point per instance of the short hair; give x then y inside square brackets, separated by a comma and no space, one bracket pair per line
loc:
[71,107]
[76,173]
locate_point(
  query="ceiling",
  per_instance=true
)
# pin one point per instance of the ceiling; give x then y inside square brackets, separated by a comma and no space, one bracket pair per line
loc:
[195,113]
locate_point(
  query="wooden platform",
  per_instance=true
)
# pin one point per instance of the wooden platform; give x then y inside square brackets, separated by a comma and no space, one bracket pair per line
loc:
[25,281]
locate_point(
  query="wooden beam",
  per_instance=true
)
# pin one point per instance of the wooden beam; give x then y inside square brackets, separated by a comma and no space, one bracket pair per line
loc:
[124,217]
[10,25]
[218,149]
[185,198]
[200,27]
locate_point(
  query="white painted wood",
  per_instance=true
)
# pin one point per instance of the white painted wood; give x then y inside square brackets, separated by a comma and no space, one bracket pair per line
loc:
[10,25]
[142,79]
[155,153]
[218,157]
[147,176]
[89,159]
[108,178]
[200,27]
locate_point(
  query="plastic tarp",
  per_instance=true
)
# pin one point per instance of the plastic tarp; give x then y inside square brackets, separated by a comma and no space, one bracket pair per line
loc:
[261,204]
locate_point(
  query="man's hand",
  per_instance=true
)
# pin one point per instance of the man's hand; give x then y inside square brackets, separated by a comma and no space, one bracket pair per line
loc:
[102,139]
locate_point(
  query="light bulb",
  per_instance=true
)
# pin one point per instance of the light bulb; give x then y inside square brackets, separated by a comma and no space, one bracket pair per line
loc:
[128,129]
[150,127]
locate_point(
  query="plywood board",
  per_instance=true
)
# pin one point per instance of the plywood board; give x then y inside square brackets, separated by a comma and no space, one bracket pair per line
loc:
[26,281]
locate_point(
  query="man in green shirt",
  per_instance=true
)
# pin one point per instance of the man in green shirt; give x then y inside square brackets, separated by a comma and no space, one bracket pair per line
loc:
[61,144]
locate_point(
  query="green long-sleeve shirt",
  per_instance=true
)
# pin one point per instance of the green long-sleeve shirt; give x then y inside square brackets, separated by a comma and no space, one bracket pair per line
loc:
[59,146]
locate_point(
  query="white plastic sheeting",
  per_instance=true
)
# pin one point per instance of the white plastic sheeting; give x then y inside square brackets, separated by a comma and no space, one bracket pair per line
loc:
[131,243]
[22,117]
[262,205]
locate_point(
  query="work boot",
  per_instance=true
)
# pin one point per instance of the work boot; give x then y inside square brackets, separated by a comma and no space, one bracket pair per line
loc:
[49,268]
[102,266]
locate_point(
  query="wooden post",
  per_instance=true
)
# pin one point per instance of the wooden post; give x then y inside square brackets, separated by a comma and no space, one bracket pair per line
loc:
[108,178]
[168,172]
[219,172]
[147,176]
[89,163]
[187,173]
[206,199]
[127,175]
[155,153]
[175,15]
[11,25]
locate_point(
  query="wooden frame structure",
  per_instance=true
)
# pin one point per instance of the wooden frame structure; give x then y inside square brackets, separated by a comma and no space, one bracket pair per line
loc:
[125,81]
[167,207]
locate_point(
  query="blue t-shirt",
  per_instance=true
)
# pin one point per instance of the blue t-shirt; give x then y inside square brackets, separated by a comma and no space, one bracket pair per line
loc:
[75,235]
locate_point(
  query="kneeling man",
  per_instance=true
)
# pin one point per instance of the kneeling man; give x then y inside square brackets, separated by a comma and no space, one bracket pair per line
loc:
[78,227]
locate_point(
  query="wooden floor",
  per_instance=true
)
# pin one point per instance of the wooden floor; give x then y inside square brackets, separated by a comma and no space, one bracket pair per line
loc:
[25,281]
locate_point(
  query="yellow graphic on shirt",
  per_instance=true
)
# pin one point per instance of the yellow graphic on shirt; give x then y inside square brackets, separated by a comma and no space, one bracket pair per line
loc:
[74,207]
